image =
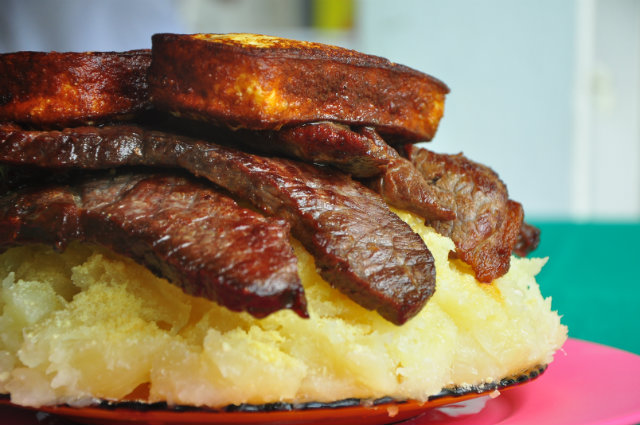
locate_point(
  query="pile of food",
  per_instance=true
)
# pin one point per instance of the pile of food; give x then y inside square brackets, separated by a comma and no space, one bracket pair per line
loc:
[231,219]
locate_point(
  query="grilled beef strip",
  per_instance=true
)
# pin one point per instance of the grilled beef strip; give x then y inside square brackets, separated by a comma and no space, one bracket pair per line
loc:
[360,152]
[403,186]
[363,153]
[361,247]
[325,143]
[181,229]
[487,224]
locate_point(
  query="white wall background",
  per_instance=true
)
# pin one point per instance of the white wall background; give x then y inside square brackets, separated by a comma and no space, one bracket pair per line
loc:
[606,146]
[509,65]
[545,92]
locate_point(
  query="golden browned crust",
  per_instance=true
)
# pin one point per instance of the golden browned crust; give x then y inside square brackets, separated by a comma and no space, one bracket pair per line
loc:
[60,89]
[262,82]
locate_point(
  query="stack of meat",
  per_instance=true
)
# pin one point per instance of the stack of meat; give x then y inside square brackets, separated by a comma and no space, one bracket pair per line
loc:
[201,157]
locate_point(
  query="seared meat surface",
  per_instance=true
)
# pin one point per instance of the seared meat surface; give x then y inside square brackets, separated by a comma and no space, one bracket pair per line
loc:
[487,222]
[360,246]
[403,186]
[324,142]
[180,229]
[60,89]
[360,152]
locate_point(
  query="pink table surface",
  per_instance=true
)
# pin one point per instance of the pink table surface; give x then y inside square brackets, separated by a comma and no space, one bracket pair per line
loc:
[586,384]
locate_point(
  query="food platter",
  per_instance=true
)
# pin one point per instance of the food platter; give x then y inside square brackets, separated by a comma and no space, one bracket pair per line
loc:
[368,240]
[587,383]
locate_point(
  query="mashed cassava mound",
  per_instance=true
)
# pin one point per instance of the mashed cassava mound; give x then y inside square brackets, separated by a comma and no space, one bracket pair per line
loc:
[87,324]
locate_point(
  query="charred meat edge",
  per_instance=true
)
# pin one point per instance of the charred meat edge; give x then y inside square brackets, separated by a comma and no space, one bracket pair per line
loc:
[488,224]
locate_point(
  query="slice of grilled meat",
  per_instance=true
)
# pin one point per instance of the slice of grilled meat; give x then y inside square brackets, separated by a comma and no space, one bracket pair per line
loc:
[358,151]
[183,230]
[264,83]
[61,89]
[360,246]
[528,240]
[325,142]
[487,224]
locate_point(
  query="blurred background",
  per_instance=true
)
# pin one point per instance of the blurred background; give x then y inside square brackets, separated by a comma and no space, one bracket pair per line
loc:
[547,93]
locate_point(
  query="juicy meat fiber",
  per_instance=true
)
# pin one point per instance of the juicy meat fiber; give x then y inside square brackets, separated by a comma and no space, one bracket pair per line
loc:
[185,231]
[487,222]
[321,143]
[360,152]
[361,247]
[404,187]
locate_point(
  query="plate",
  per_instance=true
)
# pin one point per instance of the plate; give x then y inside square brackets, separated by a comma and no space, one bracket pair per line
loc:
[346,412]
[587,384]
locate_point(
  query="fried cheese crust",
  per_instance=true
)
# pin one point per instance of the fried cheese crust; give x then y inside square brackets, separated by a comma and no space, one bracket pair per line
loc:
[58,89]
[265,83]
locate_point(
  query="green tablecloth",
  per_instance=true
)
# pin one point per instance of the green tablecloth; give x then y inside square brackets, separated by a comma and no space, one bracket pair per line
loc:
[593,277]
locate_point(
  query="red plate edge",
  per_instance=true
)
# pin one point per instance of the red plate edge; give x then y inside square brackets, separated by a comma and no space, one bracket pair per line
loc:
[373,415]
[587,384]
